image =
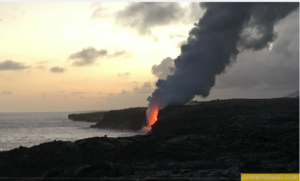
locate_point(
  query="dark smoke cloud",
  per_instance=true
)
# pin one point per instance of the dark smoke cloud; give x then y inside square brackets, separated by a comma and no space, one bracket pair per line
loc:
[179,44]
[192,13]
[259,31]
[165,68]
[288,42]
[282,73]
[11,65]
[276,70]
[86,56]
[57,69]
[224,30]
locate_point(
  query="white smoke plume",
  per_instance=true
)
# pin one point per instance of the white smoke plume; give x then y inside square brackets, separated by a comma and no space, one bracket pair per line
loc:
[224,30]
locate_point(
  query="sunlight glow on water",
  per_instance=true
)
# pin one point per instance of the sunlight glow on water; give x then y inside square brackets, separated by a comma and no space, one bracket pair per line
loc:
[29,129]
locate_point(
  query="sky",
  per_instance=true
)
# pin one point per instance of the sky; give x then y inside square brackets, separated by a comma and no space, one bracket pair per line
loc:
[79,56]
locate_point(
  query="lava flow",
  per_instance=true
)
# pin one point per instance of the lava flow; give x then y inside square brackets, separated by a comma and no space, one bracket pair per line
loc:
[152,118]
[151,113]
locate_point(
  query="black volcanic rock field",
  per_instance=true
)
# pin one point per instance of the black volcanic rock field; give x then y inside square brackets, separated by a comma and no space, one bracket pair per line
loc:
[213,140]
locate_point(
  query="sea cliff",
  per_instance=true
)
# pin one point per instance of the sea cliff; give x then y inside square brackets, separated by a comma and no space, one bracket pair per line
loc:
[132,119]
[89,117]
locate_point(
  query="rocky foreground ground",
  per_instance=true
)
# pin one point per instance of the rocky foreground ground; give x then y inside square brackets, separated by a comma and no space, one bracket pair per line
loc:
[214,140]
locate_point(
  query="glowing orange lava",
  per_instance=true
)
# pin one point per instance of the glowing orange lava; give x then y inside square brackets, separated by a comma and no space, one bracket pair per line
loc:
[153,116]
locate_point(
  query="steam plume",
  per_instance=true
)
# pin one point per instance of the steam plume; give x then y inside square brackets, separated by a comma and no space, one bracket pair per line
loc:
[224,30]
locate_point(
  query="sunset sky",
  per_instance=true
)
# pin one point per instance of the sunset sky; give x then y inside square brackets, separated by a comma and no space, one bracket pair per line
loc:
[78,56]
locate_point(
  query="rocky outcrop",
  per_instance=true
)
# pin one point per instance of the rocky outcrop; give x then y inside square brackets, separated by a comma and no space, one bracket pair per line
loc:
[219,112]
[132,119]
[251,136]
[89,117]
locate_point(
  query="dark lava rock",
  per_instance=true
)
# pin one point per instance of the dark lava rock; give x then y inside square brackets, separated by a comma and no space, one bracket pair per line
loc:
[89,117]
[249,136]
[222,112]
[133,119]
[100,170]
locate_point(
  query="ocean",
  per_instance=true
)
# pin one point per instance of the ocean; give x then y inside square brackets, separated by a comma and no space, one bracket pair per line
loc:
[29,129]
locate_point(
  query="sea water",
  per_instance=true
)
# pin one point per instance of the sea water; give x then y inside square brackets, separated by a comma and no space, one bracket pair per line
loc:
[29,129]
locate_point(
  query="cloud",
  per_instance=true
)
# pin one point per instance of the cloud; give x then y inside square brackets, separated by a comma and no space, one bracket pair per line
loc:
[121,102]
[57,69]
[268,70]
[87,56]
[123,53]
[145,15]
[146,88]
[164,68]
[6,92]
[41,64]
[103,9]
[11,65]
[288,39]
[100,11]
[123,93]
[193,13]
[124,75]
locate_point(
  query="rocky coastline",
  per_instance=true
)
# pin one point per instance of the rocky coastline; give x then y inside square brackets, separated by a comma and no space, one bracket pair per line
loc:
[213,140]
[88,117]
[131,119]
